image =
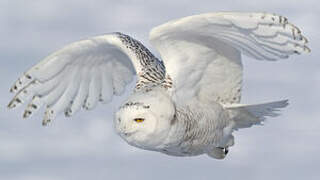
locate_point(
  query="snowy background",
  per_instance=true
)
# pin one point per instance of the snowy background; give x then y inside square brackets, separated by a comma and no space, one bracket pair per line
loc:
[86,146]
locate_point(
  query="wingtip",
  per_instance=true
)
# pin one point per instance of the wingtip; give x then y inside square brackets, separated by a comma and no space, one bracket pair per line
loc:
[49,115]
[285,103]
[46,122]
[68,112]
[307,49]
[11,104]
[26,114]
[14,88]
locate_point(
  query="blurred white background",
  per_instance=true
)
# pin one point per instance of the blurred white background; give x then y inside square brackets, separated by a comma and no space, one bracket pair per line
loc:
[86,146]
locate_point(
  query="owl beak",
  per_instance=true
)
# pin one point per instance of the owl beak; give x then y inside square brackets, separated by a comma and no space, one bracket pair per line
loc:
[123,131]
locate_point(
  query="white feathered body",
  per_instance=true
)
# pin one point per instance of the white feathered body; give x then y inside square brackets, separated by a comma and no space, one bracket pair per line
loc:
[198,128]
[187,129]
[186,104]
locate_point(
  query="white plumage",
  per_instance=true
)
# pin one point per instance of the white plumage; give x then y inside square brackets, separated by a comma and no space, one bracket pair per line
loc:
[185,105]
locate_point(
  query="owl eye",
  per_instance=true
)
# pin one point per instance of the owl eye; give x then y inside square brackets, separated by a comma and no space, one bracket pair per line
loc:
[139,120]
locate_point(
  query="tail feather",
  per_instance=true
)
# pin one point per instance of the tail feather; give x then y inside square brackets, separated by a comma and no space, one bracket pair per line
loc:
[246,116]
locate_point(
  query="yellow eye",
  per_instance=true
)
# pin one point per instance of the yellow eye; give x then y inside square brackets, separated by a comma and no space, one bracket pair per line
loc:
[139,120]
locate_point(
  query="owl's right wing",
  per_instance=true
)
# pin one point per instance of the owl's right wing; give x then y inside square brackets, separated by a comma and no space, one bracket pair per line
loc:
[202,53]
[83,73]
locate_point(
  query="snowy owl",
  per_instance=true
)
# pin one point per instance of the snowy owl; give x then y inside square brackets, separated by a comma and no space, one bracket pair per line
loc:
[187,103]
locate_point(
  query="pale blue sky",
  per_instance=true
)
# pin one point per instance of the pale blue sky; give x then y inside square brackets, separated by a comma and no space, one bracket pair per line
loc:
[86,146]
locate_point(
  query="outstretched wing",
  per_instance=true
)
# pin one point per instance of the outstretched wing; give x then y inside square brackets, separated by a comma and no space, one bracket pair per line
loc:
[202,53]
[83,73]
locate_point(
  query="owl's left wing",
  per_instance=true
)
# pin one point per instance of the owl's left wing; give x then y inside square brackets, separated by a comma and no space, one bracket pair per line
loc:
[202,53]
[83,73]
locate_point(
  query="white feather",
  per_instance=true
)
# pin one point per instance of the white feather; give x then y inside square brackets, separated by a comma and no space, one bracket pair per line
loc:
[22,82]
[106,89]
[245,116]
[73,77]
[190,45]
[33,107]
[94,90]
[188,108]
[79,99]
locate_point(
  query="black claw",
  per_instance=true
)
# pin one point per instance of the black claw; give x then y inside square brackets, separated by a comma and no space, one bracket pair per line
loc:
[226,150]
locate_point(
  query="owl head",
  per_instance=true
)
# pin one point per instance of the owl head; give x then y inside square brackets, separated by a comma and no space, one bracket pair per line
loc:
[144,120]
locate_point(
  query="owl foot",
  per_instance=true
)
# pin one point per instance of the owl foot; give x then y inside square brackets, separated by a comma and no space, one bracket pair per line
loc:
[218,152]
